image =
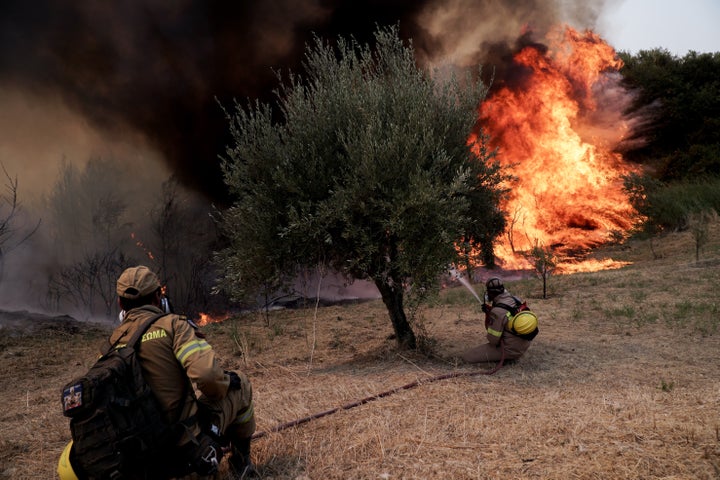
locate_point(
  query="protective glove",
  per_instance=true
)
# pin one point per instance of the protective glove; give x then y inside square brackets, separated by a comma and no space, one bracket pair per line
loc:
[235,383]
[204,455]
[486,308]
[209,458]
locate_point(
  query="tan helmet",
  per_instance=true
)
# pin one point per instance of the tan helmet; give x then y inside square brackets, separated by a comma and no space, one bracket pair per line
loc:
[523,323]
[136,282]
[65,470]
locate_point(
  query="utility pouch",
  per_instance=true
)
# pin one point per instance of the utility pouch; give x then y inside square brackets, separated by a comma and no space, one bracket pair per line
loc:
[203,454]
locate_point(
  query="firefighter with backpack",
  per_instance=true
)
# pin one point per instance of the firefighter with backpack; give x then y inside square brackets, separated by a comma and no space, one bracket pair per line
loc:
[175,360]
[509,323]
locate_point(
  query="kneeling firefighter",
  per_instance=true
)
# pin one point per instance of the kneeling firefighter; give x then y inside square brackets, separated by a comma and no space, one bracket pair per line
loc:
[175,359]
[509,328]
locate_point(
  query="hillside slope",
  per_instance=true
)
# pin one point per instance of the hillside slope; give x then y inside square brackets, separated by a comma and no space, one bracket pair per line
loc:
[622,382]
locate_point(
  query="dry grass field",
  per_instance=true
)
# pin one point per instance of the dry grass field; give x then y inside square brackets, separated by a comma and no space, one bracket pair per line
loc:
[622,382]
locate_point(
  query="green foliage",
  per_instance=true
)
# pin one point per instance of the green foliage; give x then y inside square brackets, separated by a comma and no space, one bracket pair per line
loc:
[544,261]
[364,167]
[636,314]
[701,317]
[669,207]
[679,98]
[666,386]
[626,311]
[679,102]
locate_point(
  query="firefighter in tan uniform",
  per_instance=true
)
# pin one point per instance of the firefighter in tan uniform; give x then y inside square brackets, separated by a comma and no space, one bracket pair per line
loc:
[499,337]
[174,356]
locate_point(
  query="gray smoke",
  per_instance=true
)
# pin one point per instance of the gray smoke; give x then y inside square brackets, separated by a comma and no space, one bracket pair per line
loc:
[139,83]
[153,72]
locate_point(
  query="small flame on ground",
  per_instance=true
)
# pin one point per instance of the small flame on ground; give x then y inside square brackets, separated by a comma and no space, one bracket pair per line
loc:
[206,318]
[591,265]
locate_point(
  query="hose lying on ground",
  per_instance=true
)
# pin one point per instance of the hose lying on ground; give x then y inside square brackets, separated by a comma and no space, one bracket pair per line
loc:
[300,421]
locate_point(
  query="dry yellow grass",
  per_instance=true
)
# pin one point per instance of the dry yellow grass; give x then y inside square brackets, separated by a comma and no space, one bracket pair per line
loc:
[622,382]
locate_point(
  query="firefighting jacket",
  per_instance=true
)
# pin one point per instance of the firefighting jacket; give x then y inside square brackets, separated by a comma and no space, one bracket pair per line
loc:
[497,326]
[174,355]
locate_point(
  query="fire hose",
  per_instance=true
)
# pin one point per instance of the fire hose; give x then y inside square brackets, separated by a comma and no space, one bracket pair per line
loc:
[294,423]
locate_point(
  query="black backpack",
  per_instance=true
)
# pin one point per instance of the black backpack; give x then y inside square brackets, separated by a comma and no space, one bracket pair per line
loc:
[118,428]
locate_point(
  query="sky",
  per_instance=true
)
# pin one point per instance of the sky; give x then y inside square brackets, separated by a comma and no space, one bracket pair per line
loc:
[677,26]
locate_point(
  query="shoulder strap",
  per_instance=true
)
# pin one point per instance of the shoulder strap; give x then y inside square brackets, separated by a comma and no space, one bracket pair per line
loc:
[512,310]
[138,333]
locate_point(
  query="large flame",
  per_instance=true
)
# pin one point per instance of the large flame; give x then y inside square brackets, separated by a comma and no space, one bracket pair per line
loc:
[550,135]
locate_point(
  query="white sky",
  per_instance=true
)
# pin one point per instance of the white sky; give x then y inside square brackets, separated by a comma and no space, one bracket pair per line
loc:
[675,25]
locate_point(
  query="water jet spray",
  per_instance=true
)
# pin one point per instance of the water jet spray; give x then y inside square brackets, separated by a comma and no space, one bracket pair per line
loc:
[455,274]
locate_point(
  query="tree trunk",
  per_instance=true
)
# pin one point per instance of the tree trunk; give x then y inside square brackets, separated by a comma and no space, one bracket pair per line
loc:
[392,296]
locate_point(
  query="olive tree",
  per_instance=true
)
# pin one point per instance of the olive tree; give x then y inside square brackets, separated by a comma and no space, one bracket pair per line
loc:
[362,165]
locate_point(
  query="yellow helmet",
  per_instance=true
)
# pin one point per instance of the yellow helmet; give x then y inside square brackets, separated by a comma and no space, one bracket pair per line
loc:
[64,469]
[522,323]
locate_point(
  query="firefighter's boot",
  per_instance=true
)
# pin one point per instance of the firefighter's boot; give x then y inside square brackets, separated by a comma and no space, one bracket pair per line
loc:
[240,464]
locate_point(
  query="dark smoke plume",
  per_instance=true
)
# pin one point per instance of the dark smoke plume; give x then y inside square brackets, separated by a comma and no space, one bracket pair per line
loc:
[157,69]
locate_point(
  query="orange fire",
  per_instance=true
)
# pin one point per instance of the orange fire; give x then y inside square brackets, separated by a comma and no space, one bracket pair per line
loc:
[206,318]
[567,193]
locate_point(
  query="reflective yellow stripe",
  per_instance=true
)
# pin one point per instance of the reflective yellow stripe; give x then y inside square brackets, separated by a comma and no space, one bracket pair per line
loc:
[191,347]
[494,332]
[510,321]
[247,415]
